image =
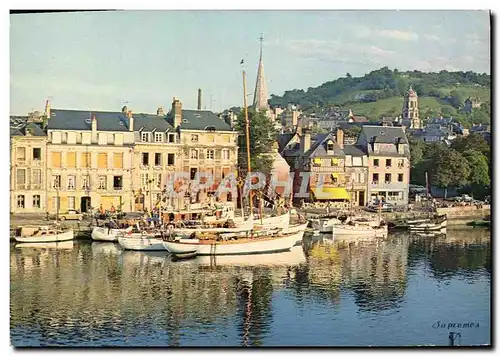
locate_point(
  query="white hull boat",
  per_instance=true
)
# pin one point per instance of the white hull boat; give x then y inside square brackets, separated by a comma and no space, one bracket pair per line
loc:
[274,222]
[44,234]
[429,226]
[245,246]
[48,245]
[297,228]
[359,230]
[244,227]
[106,234]
[324,225]
[140,242]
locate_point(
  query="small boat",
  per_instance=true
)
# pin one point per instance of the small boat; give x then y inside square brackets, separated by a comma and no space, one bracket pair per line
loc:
[429,226]
[244,246]
[324,225]
[359,230]
[141,242]
[244,227]
[107,233]
[63,245]
[430,233]
[478,223]
[43,234]
[273,222]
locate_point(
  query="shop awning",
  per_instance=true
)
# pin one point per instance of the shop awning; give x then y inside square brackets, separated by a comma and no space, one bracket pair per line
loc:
[329,193]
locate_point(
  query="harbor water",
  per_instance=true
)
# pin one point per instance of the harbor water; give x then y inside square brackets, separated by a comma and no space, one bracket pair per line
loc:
[401,291]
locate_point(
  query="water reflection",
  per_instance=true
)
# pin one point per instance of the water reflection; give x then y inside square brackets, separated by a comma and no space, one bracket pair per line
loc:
[97,294]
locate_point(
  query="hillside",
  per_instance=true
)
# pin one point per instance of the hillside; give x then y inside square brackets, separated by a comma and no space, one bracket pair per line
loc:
[380,93]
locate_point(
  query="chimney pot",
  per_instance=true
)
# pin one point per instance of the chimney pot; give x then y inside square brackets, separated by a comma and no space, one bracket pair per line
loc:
[199,99]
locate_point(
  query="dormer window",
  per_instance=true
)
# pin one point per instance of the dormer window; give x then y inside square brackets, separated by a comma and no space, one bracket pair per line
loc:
[145,136]
[158,137]
[194,138]
[210,128]
[329,146]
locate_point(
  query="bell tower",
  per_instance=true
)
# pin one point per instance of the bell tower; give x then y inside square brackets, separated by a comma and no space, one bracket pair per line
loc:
[411,116]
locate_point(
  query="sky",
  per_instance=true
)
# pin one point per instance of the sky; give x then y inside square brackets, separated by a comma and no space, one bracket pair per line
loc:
[104,60]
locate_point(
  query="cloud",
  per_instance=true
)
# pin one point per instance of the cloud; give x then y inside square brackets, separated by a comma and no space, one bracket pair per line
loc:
[398,35]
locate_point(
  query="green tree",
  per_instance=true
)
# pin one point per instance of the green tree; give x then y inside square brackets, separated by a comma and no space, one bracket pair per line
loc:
[456,99]
[262,137]
[417,148]
[474,141]
[479,174]
[450,169]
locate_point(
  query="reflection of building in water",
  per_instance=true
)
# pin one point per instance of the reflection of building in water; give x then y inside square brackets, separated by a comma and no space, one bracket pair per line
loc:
[86,292]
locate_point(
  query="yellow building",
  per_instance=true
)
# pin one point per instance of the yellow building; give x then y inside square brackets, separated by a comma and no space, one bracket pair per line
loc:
[157,155]
[208,145]
[28,169]
[89,160]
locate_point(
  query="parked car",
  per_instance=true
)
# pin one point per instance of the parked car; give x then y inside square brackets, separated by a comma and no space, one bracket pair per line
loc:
[467,198]
[71,215]
[386,207]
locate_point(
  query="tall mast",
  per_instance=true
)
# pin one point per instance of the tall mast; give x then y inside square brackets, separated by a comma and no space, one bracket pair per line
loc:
[247,122]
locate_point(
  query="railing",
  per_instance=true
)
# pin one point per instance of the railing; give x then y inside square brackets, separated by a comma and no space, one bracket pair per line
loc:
[117,188]
[36,163]
[21,186]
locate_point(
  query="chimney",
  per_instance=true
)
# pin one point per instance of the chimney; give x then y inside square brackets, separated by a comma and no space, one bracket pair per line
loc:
[298,129]
[199,99]
[177,112]
[124,109]
[130,120]
[94,125]
[47,109]
[340,137]
[160,111]
[305,140]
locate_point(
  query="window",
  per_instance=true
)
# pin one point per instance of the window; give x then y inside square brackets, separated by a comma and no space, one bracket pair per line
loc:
[394,195]
[37,176]
[71,182]
[194,138]
[145,136]
[171,138]
[193,173]
[118,160]
[145,159]
[56,159]
[227,138]
[117,183]
[388,162]
[144,180]
[375,162]
[102,182]
[329,146]
[21,176]
[210,138]
[401,163]
[71,203]
[225,155]
[21,153]
[56,182]
[36,201]
[210,154]
[102,160]
[387,177]
[194,154]
[157,180]
[86,182]
[375,178]
[85,160]
[157,159]
[37,154]
[400,177]
[170,159]
[158,137]
[20,201]
[71,159]
[56,203]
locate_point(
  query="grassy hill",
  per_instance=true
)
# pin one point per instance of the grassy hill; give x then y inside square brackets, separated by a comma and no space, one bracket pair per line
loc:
[380,93]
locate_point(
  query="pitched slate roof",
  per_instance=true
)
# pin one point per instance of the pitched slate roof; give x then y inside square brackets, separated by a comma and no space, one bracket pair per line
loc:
[384,134]
[15,132]
[284,139]
[150,122]
[35,129]
[106,121]
[62,119]
[318,148]
[354,150]
[200,120]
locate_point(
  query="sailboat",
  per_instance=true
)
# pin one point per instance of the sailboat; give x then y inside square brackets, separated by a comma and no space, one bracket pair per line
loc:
[353,227]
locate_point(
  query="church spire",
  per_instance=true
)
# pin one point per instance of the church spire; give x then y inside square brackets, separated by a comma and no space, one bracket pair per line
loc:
[260,95]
